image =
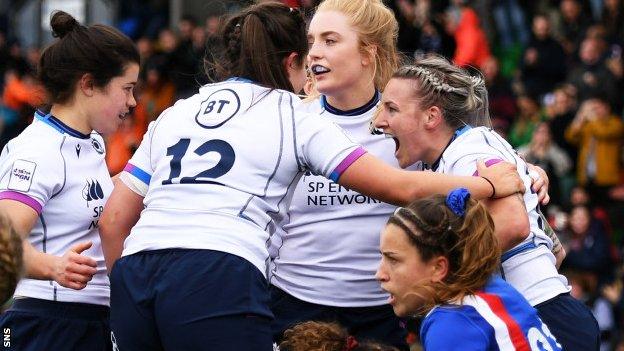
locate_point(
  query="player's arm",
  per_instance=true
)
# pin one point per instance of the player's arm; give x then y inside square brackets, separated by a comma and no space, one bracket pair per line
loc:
[511,221]
[72,270]
[121,213]
[371,176]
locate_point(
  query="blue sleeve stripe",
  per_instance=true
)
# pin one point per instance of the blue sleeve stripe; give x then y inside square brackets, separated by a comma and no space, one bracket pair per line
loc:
[138,173]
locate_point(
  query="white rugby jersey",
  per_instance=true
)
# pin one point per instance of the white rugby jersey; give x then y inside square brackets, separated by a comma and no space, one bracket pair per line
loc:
[531,265]
[221,167]
[327,250]
[61,174]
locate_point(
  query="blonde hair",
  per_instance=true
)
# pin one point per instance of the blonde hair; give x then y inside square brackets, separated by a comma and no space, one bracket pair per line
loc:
[462,97]
[376,26]
[468,242]
[11,261]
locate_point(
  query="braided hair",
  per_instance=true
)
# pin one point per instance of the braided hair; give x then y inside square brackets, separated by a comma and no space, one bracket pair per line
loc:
[463,98]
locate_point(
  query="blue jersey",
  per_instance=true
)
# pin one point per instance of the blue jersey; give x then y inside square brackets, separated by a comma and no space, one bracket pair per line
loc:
[496,318]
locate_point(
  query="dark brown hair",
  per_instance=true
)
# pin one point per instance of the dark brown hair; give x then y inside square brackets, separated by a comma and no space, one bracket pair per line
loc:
[11,261]
[100,50]
[468,242]
[258,39]
[325,336]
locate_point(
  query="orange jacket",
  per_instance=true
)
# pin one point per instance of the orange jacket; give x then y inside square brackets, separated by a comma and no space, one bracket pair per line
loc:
[472,45]
[18,93]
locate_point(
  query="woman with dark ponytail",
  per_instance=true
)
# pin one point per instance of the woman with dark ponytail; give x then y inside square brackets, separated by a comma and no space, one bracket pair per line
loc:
[439,259]
[200,199]
[54,184]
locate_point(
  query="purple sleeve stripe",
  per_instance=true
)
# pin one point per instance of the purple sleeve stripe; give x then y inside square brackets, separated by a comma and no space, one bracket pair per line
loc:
[488,163]
[23,198]
[348,161]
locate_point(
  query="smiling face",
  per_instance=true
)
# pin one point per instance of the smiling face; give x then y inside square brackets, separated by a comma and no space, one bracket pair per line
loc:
[402,270]
[402,118]
[110,104]
[335,57]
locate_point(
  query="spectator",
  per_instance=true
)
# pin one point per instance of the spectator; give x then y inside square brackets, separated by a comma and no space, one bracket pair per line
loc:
[542,67]
[542,152]
[501,100]
[592,77]
[560,110]
[472,48]
[586,245]
[528,117]
[510,23]
[584,289]
[598,133]
[572,25]
[613,20]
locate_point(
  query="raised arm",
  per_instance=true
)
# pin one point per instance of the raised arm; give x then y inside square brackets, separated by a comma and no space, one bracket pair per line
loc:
[371,176]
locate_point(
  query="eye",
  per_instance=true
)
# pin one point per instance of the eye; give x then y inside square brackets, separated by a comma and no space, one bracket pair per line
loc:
[329,41]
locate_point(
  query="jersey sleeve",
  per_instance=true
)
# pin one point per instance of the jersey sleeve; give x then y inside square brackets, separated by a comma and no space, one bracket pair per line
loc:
[475,147]
[137,173]
[323,147]
[31,175]
[452,331]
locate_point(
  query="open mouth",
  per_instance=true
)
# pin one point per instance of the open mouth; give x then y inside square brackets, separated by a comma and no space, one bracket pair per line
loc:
[397,144]
[123,115]
[318,70]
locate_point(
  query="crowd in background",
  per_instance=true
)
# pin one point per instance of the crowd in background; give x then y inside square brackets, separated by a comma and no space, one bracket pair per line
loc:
[553,68]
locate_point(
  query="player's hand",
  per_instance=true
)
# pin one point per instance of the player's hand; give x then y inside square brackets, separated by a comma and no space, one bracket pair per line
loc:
[539,183]
[504,176]
[74,270]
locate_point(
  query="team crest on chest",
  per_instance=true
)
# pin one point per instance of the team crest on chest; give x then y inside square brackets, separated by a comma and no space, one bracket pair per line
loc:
[92,191]
[97,146]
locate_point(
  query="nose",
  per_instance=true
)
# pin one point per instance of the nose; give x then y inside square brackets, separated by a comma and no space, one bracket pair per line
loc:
[379,120]
[314,52]
[132,101]
[381,275]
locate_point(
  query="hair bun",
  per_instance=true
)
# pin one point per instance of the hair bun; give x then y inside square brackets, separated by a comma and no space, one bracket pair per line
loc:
[62,23]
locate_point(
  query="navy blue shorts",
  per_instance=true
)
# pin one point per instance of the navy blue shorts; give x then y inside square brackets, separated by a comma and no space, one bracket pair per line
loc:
[377,323]
[180,299]
[571,322]
[34,325]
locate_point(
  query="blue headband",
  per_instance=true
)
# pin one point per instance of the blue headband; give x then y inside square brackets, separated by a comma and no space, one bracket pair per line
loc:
[456,200]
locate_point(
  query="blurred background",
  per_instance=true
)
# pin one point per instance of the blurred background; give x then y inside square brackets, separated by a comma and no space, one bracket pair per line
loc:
[553,68]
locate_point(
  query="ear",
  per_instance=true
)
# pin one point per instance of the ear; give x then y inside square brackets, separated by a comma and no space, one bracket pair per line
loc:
[370,53]
[291,61]
[434,117]
[439,268]
[86,84]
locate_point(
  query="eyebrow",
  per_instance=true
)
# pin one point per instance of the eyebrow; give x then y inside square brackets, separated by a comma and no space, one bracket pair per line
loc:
[326,33]
[388,253]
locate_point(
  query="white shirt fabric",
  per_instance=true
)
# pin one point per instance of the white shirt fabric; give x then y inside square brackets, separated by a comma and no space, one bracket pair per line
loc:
[221,167]
[327,250]
[62,175]
[532,272]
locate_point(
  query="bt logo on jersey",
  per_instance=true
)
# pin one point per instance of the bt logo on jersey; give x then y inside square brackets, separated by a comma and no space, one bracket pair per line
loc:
[218,108]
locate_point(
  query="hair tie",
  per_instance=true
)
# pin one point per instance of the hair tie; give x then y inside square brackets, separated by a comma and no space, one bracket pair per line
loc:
[456,200]
[351,343]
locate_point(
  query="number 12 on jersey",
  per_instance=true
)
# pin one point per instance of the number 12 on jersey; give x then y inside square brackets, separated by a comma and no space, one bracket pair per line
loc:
[178,151]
